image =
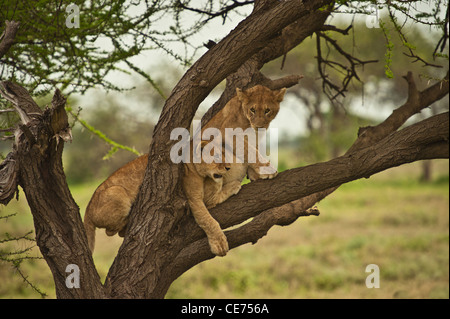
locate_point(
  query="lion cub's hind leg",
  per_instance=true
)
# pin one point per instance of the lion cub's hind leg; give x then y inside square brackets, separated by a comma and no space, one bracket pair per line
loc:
[115,205]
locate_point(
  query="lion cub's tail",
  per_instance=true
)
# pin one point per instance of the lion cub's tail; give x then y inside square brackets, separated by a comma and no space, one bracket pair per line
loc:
[89,227]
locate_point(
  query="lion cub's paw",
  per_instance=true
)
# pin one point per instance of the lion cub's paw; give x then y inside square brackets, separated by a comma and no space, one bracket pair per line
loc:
[263,172]
[218,244]
[268,176]
[235,187]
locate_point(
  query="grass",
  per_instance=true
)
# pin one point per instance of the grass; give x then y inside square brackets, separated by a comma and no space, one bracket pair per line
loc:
[391,220]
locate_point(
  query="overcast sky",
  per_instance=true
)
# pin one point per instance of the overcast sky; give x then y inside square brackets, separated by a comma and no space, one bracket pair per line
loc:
[290,118]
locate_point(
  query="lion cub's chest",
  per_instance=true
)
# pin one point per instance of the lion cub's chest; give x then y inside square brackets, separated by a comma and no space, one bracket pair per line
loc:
[211,189]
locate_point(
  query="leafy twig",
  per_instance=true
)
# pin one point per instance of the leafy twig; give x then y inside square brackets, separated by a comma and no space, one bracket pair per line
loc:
[115,146]
[16,257]
[389,51]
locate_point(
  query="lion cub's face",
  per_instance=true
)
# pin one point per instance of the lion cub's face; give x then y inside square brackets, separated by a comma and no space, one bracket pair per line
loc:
[214,165]
[260,104]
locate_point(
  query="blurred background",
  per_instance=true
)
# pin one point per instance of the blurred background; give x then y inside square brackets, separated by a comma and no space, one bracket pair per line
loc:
[398,219]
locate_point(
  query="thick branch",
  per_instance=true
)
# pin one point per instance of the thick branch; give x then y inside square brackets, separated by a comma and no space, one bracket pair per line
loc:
[21,100]
[398,148]
[416,102]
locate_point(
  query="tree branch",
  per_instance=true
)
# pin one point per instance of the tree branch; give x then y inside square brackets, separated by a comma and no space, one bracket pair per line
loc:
[21,101]
[398,148]
[349,72]
[222,12]
[416,102]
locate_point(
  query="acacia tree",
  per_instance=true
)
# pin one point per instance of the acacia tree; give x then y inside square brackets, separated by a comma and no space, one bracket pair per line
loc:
[162,240]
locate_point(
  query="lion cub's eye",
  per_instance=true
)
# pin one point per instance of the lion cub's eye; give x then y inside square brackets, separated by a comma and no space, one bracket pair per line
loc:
[252,110]
[267,111]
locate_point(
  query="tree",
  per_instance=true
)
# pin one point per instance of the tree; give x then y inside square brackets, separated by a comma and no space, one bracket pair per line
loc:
[162,239]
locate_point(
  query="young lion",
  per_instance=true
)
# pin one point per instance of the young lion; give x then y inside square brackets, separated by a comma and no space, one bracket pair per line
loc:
[205,185]
[112,200]
[255,108]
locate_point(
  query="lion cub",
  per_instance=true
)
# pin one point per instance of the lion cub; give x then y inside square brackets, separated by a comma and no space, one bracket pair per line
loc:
[203,183]
[253,108]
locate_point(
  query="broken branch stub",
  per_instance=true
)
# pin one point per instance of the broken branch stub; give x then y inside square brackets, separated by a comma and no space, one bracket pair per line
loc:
[36,127]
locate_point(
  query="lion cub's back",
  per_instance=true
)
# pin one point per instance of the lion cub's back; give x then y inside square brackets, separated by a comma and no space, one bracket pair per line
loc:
[129,176]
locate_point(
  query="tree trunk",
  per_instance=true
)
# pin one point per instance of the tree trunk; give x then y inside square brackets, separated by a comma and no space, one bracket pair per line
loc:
[59,230]
[155,217]
[162,239]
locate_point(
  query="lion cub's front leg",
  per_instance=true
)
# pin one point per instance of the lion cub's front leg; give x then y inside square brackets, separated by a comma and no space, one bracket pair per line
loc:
[218,242]
[216,238]
[194,189]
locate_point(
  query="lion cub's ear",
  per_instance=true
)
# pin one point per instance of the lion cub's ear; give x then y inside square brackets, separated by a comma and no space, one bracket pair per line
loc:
[279,94]
[241,95]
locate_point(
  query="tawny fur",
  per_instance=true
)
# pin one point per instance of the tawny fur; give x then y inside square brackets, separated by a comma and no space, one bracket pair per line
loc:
[111,202]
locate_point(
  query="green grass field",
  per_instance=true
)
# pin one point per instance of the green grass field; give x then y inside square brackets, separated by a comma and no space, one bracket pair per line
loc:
[391,220]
